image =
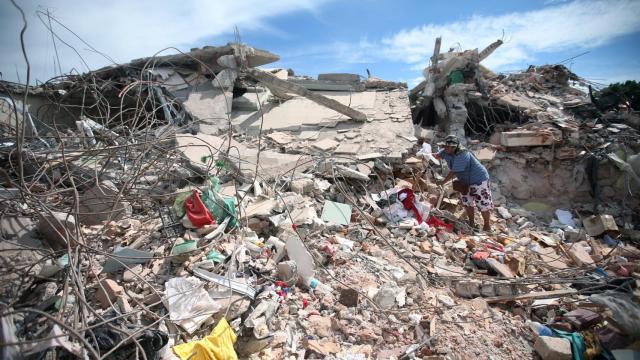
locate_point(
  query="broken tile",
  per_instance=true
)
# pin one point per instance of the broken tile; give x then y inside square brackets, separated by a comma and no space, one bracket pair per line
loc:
[336,213]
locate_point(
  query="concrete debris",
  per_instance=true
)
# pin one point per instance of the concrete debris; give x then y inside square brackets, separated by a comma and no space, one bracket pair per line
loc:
[310,213]
[552,348]
[56,228]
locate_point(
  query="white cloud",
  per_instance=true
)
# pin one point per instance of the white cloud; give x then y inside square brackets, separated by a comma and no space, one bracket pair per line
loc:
[126,29]
[415,81]
[580,24]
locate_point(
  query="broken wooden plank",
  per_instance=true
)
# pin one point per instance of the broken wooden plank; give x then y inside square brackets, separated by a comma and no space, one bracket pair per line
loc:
[531,296]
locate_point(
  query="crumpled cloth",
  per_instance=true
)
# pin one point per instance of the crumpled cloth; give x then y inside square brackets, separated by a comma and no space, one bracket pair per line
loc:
[196,211]
[216,346]
[439,224]
[408,198]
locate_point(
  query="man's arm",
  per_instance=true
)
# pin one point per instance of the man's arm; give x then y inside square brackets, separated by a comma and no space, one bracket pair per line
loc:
[449,176]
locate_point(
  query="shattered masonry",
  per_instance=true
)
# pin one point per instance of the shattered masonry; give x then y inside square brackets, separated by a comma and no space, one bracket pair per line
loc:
[194,203]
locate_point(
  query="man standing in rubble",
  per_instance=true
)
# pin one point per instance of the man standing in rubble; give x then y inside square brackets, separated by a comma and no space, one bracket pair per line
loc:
[473,179]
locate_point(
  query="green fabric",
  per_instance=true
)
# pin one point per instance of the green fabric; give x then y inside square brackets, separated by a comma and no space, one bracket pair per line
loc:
[456,77]
[577,343]
[220,206]
[178,205]
[215,256]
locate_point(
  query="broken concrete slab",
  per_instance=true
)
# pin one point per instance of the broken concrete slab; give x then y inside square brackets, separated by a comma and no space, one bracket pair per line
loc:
[325,144]
[502,269]
[280,138]
[542,137]
[504,213]
[261,208]
[550,257]
[286,86]
[304,215]
[242,159]
[347,148]
[211,108]
[518,102]
[209,55]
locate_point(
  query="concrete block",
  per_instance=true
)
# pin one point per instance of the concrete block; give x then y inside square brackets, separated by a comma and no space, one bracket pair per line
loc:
[302,186]
[528,138]
[579,255]
[425,246]
[596,225]
[108,292]
[553,348]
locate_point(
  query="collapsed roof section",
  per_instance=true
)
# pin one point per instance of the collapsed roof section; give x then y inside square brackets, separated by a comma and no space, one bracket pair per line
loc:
[465,98]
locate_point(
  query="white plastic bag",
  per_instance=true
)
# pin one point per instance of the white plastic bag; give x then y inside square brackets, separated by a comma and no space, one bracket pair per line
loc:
[188,303]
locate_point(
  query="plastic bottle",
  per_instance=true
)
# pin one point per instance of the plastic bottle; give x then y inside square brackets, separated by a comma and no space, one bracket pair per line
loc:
[539,329]
[315,284]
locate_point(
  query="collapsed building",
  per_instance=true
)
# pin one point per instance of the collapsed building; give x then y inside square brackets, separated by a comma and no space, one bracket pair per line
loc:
[195,205]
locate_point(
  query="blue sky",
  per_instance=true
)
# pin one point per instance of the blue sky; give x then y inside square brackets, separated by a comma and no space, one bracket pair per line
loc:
[391,38]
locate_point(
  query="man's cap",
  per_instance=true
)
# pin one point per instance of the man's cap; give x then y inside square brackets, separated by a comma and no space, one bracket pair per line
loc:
[451,139]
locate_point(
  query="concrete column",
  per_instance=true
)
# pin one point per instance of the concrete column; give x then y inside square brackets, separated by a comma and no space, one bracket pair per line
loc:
[455,99]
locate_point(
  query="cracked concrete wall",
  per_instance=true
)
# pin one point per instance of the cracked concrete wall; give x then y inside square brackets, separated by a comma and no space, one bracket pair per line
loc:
[558,185]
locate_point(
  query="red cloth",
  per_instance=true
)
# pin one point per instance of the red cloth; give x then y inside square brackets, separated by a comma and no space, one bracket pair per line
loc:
[437,223]
[409,203]
[196,211]
[480,255]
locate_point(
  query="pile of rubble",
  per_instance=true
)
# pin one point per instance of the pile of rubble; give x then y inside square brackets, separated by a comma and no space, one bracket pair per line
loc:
[195,206]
